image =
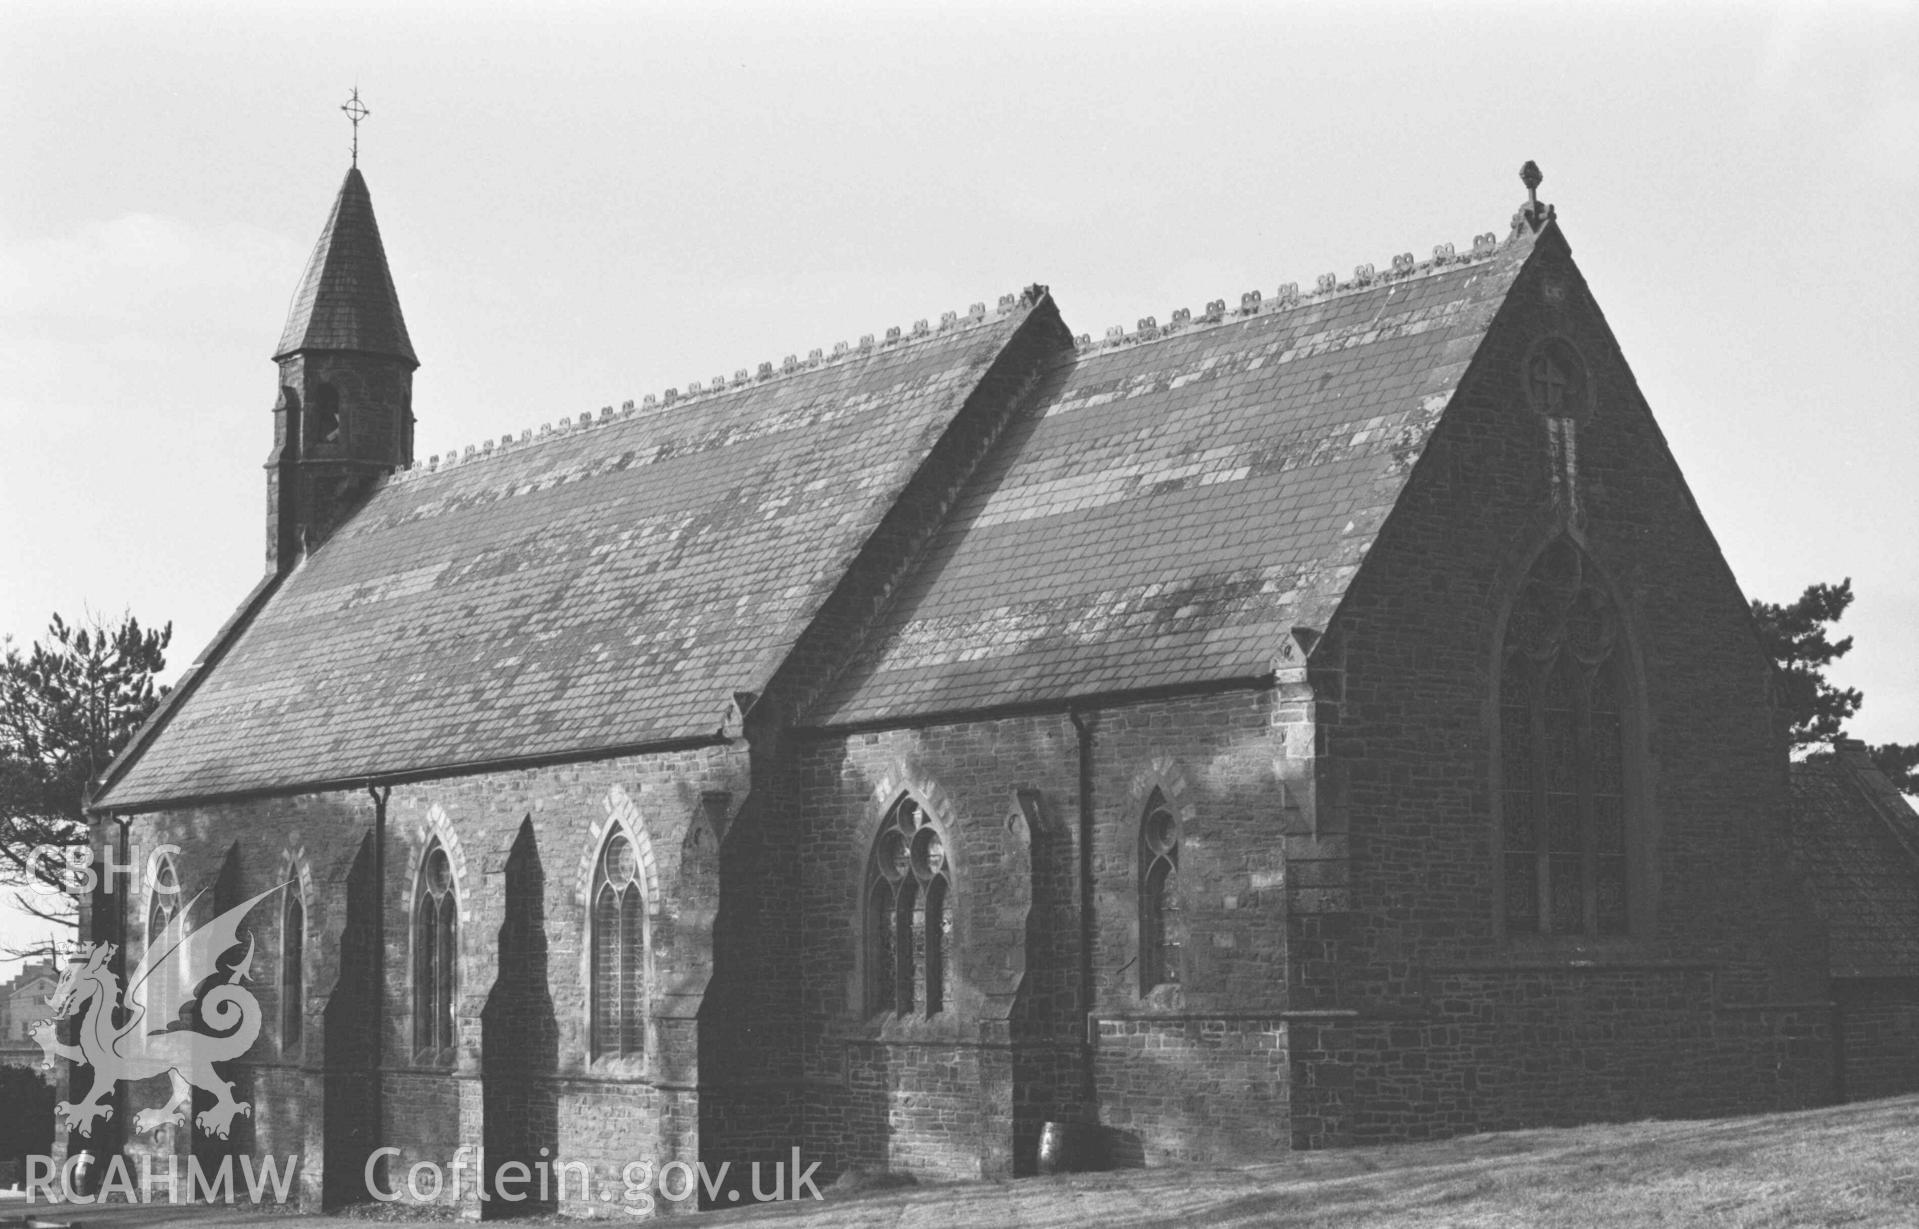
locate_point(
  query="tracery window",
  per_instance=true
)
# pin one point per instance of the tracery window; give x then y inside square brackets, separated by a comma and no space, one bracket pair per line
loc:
[164,994]
[435,956]
[909,918]
[1562,783]
[292,973]
[1161,928]
[165,903]
[619,951]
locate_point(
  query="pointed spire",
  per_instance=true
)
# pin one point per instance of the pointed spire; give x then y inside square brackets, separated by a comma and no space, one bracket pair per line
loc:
[346,300]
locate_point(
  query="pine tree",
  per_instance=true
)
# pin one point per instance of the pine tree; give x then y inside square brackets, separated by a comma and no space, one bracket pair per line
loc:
[1795,635]
[67,707]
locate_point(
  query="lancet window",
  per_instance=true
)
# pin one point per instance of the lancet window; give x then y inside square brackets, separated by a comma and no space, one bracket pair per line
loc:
[436,921]
[292,971]
[1161,926]
[619,951]
[164,994]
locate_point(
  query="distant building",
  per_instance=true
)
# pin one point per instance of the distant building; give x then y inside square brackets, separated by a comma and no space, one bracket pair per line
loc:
[23,1002]
[1317,719]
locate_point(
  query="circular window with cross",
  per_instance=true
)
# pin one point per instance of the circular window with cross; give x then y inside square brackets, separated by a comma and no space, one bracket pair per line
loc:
[1557,382]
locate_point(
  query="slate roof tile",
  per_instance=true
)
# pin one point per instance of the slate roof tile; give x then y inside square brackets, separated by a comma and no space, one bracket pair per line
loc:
[1161,513]
[610,586]
[1170,509]
[346,299]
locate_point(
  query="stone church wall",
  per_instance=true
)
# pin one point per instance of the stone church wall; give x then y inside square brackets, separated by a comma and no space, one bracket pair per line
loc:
[1180,1072]
[1343,971]
[1715,1001]
[1879,1025]
[522,845]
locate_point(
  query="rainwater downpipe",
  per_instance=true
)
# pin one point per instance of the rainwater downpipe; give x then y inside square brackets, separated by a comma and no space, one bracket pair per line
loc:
[379,794]
[120,931]
[120,924]
[1084,724]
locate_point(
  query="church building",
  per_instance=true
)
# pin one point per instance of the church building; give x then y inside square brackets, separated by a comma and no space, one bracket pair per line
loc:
[1313,719]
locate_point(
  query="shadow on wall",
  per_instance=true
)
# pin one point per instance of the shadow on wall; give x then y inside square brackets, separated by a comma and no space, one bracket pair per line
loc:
[750,1108]
[520,1034]
[1049,1054]
[350,1091]
[211,1150]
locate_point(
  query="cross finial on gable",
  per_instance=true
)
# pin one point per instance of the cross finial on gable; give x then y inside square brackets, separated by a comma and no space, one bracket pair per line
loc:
[1532,213]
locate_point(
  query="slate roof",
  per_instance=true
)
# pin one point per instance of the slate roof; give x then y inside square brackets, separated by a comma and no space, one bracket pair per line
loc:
[607,587]
[1163,510]
[346,299]
[1858,840]
[1175,505]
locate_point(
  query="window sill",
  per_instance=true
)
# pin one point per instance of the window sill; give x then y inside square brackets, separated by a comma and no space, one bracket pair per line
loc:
[891,1028]
[1165,997]
[624,1067]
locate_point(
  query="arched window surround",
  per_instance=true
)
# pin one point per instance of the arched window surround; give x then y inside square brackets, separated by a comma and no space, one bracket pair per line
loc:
[1162,926]
[620,900]
[163,998]
[163,905]
[434,927]
[293,946]
[909,948]
[1640,821]
[296,873]
[622,816]
[1161,784]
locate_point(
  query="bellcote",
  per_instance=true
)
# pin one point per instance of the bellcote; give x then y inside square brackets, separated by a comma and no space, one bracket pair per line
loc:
[344,416]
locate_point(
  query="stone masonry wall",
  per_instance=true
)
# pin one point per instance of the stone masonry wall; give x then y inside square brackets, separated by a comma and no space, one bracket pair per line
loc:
[1343,974]
[1174,1073]
[1879,1022]
[1715,1001]
[522,845]
[1553,1049]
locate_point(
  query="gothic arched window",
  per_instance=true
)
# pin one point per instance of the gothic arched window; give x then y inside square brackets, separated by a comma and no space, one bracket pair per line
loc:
[435,955]
[164,994]
[1160,925]
[1563,828]
[909,918]
[293,939]
[619,951]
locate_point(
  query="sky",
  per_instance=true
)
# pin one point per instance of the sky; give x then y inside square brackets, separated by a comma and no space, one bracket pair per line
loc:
[583,204]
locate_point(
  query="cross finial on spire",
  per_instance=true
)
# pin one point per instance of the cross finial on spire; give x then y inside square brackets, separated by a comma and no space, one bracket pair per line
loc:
[356,111]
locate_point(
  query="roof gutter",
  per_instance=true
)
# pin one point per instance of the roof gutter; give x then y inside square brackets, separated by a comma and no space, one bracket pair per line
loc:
[377,780]
[1065,703]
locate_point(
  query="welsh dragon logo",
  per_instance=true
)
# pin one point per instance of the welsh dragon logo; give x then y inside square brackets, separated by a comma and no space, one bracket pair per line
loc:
[181,969]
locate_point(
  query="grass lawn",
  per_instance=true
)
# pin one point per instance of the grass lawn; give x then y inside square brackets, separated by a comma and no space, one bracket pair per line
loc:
[1847,1165]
